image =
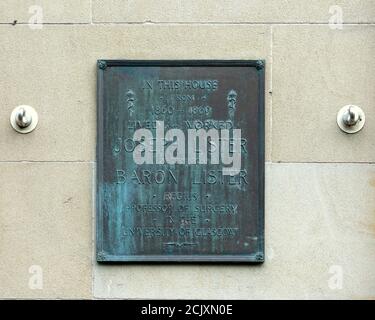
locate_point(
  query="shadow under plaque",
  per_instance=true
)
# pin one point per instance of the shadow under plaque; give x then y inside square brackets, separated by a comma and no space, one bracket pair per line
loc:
[180,161]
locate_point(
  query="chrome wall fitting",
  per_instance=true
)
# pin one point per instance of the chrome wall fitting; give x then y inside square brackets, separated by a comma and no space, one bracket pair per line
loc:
[350,119]
[24,119]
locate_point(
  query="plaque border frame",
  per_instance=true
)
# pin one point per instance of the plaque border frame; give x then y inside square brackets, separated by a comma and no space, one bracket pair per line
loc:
[259,256]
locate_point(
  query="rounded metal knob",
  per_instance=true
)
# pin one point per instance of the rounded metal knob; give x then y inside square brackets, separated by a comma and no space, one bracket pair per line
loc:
[351,119]
[24,119]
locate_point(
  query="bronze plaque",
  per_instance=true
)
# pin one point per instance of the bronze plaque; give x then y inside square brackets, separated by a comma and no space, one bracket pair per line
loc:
[180,161]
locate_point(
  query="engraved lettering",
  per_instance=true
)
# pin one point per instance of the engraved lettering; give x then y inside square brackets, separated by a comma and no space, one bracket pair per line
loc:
[143,152]
[230,150]
[147,85]
[121,177]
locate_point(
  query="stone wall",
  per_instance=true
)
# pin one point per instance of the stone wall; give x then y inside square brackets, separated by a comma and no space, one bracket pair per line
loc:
[320,182]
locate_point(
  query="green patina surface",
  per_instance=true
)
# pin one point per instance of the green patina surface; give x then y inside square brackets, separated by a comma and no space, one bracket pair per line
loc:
[182,211]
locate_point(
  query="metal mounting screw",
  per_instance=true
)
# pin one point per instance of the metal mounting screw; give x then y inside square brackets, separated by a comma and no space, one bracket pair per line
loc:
[102,64]
[100,256]
[259,257]
[260,64]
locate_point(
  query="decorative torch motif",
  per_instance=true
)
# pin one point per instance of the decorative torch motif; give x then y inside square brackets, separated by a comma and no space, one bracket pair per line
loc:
[232,101]
[130,99]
